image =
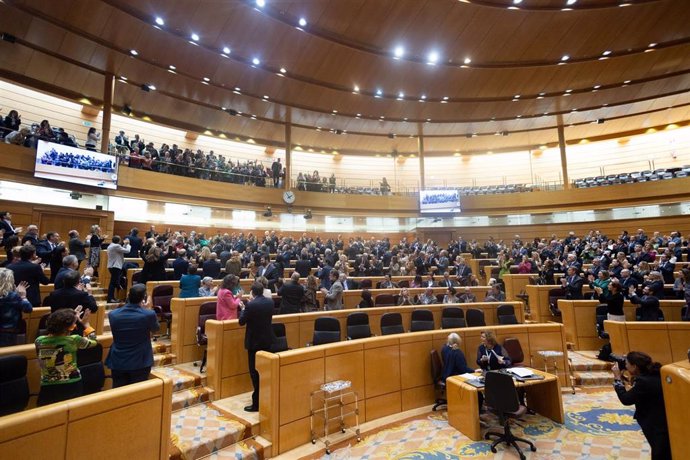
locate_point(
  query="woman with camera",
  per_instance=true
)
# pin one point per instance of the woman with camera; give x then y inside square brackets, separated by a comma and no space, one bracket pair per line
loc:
[647,396]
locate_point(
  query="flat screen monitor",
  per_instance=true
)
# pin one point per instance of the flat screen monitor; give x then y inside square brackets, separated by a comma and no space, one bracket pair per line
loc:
[74,165]
[439,201]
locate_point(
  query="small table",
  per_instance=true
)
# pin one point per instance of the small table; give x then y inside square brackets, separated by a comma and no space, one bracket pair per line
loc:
[544,397]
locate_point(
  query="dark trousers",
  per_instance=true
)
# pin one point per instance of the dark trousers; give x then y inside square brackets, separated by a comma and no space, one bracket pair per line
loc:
[122,378]
[115,275]
[254,375]
[659,442]
[50,394]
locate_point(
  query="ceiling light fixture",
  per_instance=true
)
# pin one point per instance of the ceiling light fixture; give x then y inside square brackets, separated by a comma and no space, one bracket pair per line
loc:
[398,52]
[356,89]
[226,50]
[283,70]
[206,79]
[160,21]
[401,96]
[467,60]
[260,3]
[606,53]
[256,61]
[565,57]
[302,22]
[432,58]
[379,93]
[195,37]
[172,67]
[134,52]
[571,2]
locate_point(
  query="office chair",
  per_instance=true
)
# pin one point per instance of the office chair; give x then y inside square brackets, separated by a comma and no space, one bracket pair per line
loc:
[554,295]
[439,383]
[90,362]
[207,310]
[280,342]
[391,323]
[422,320]
[326,330]
[512,346]
[14,386]
[502,399]
[161,297]
[452,317]
[384,300]
[358,326]
[475,318]
[506,314]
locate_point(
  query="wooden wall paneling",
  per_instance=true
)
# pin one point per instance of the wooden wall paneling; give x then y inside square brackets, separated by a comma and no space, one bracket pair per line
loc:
[675,379]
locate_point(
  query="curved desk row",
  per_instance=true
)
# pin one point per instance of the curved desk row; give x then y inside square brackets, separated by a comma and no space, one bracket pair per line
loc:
[391,374]
[33,319]
[299,326]
[664,341]
[579,319]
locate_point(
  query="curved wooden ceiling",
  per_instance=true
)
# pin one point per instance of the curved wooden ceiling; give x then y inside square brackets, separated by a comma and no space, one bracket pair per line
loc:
[341,72]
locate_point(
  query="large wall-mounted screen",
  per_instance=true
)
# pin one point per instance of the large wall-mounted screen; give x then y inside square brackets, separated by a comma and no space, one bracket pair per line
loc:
[78,166]
[439,201]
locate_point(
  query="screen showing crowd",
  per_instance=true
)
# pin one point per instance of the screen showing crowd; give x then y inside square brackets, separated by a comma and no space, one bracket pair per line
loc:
[70,164]
[435,201]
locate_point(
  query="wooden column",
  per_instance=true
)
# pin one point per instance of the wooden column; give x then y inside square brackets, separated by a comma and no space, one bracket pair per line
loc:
[564,159]
[108,92]
[420,152]
[288,148]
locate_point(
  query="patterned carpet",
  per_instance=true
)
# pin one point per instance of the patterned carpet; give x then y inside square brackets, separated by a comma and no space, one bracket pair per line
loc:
[597,427]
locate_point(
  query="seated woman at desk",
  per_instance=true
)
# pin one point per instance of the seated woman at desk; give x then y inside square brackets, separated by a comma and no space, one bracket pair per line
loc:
[490,355]
[454,362]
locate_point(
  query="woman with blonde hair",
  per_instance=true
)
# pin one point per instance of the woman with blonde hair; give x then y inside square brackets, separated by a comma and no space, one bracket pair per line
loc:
[204,255]
[309,301]
[454,361]
[12,304]
[490,355]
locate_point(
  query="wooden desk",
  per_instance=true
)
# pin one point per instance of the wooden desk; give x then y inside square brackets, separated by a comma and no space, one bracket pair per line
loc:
[543,396]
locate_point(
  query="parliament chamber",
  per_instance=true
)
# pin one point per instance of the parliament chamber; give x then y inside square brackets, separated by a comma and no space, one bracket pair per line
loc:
[341,226]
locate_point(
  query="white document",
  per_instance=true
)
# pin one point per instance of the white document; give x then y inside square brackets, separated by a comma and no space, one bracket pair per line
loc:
[521,371]
[469,376]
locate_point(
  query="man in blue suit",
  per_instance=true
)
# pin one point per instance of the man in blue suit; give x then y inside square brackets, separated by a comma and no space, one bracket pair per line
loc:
[131,356]
[257,315]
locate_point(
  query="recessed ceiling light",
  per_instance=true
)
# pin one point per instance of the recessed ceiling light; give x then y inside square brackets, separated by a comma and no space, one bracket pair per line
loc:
[123,78]
[160,21]
[237,88]
[223,108]
[335,111]
[152,88]
[423,97]
[256,61]
[283,70]
[172,67]
[445,98]
[195,37]
[401,95]
[207,79]
[302,22]
[517,96]
[260,3]
[652,45]
[356,89]
[624,4]
[432,58]
[571,2]
[359,115]
[134,52]
[606,53]
[626,82]
[467,60]
[399,52]
[226,50]
[265,97]
[565,57]
[597,86]
[573,110]
[517,2]
[379,93]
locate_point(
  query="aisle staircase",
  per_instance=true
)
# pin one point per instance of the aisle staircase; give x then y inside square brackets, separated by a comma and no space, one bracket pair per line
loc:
[200,426]
[588,370]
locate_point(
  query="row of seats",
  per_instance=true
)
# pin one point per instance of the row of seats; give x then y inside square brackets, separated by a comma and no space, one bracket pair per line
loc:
[14,384]
[629,178]
[488,189]
[327,328]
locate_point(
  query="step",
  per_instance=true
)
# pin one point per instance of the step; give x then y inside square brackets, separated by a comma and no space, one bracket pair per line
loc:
[191,397]
[164,359]
[586,361]
[181,380]
[593,378]
[161,346]
[203,429]
[250,449]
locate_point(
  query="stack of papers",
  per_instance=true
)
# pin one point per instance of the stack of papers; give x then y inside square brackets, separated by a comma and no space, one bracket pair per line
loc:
[470,376]
[521,372]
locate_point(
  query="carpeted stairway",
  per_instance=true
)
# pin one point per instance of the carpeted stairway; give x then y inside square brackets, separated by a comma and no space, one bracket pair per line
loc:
[588,370]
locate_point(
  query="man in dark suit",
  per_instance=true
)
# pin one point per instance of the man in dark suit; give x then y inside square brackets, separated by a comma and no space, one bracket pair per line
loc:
[32,273]
[212,267]
[44,248]
[135,243]
[71,296]
[257,316]
[572,284]
[303,266]
[31,235]
[180,264]
[77,247]
[291,294]
[626,282]
[666,268]
[269,271]
[69,264]
[6,224]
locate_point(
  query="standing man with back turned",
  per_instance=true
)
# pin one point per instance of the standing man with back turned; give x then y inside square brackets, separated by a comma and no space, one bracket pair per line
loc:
[257,315]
